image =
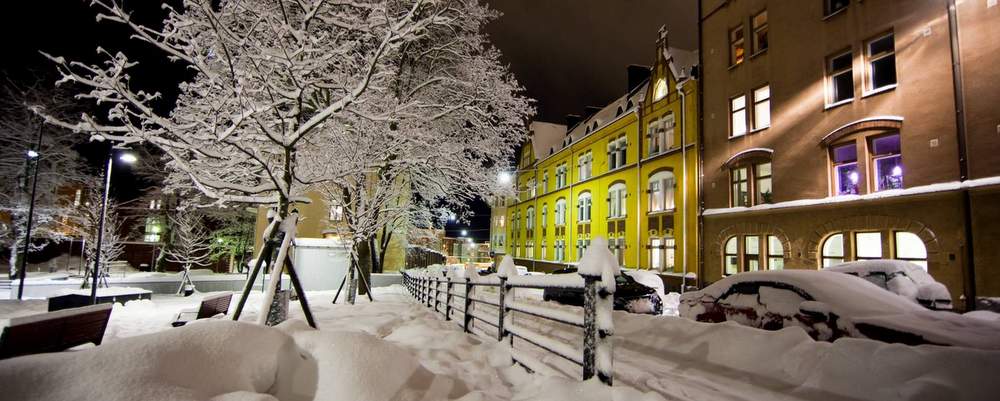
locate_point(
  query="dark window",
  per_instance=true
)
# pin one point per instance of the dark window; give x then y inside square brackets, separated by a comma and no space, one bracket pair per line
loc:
[845,169]
[760,32]
[832,6]
[841,78]
[882,62]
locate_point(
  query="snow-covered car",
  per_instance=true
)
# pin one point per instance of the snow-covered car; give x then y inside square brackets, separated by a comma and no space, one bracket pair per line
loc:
[830,305]
[630,295]
[902,278]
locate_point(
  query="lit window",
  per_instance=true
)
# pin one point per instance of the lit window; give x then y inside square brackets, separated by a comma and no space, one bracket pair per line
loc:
[910,247]
[833,6]
[77,196]
[336,211]
[616,201]
[561,212]
[583,203]
[881,54]
[845,169]
[545,213]
[732,256]
[618,248]
[841,77]
[581,247]
[531,188]
[530,248]
[154,229]
[660,89]
[738,116]
[616,152]
[545,181]
[775,253]
[585,165]
[868,245]
[740,183]
[751,253]
[888,162]
[736,45]
[543,250]
[760,32]
[561,171]
[530,220]
[661,191]
[762,107]
[661,134]
[833,250]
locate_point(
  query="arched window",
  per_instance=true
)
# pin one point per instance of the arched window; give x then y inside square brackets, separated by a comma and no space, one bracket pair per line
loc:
[660,89]
[775,253]
[545,214]
[583,203]
[910,247]
[661,191]
[616,201]
[833,250]
[530,219]
[561,212]
[731,254]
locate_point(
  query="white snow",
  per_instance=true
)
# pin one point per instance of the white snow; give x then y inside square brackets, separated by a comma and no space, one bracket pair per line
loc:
[507,269]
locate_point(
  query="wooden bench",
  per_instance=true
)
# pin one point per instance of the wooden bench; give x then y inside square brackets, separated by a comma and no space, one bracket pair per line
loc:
[210,306]
[54,331]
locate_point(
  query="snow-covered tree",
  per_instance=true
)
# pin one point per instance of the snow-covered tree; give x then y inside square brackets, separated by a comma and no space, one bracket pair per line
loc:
[433,140]
[191,243]
[57,163]
[267,77]
[112,241]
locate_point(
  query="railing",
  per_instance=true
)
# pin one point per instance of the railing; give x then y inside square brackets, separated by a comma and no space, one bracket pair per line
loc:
[452,295]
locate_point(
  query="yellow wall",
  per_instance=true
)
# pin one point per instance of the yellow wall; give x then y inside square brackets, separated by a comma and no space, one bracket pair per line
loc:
[635,174]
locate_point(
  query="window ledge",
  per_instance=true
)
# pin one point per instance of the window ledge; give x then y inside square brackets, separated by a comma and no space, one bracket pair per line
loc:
[883,89]
[731,137]
[758,53]
[732,67]
[756,130]
[661,212]
[837,104]
[833,14]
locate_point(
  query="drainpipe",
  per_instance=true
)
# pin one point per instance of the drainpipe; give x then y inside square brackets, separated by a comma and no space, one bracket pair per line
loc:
[963,156]
[638,186]
[701,150]
[684,177]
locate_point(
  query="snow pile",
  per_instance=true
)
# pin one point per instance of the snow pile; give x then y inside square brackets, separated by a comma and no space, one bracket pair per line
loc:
[671,303]
[507,268]
[104,291]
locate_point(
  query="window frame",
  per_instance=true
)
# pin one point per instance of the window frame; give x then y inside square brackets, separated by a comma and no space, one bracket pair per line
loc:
[828,10]
[585,166]
[758,102]
[756,30]
[874,158]
[733,182]
[584,218]
[662,178]
[832,75]
[621,211]
[732,116]
[737,45]
[757,178]
[870,59]
[836,166]
[560,212]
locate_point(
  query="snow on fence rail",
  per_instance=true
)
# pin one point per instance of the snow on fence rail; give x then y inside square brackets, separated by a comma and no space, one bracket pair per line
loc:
[598,286]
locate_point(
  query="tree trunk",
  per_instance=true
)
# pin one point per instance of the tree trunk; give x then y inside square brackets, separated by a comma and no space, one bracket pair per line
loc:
[364,264]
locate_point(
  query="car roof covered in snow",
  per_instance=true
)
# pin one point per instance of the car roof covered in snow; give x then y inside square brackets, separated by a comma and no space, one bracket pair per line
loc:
[915,272]
[846,294]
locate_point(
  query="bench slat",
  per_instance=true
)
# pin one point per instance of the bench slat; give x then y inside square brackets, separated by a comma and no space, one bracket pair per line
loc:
[54,331]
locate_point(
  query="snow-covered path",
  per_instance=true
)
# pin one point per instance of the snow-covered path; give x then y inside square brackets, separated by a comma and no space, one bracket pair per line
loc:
[398,349]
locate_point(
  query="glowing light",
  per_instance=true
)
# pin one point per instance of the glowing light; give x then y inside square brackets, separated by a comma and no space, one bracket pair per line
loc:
[128,158]
[32,154]
[219,240]
[504,177]
[854,177]
[464,233]
[897,171]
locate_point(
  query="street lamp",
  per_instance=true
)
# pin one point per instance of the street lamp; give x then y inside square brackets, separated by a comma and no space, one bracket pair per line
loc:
[124,157]
[504,177]
[32,160]
[464,233]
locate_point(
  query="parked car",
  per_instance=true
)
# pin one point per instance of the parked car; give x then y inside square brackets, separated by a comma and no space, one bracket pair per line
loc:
[831,305]
[902,278]
[630,296]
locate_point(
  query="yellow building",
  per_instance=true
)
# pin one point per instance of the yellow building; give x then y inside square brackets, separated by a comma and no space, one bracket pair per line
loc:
[619,173]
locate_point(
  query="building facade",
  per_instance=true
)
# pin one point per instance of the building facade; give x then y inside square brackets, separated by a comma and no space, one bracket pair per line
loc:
[850,130]
[626,172]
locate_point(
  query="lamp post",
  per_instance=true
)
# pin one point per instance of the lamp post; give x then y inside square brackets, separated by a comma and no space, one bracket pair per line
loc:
[127,158]
[32,155]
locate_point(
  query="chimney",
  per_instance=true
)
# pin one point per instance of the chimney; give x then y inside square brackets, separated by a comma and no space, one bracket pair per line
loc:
[571,121]
[637,74]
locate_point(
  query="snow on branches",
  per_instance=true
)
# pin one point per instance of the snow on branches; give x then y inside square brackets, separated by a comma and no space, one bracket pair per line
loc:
[276,84]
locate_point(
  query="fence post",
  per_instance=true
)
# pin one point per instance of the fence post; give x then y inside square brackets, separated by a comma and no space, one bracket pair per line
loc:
[589,325]
[466,317]
[502,308]
[437,294]
[447,299]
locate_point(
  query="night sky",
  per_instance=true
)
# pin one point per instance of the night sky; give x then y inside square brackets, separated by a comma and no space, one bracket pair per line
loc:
[568,54]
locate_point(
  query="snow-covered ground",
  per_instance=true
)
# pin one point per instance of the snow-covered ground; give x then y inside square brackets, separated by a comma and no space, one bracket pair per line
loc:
[395,349]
